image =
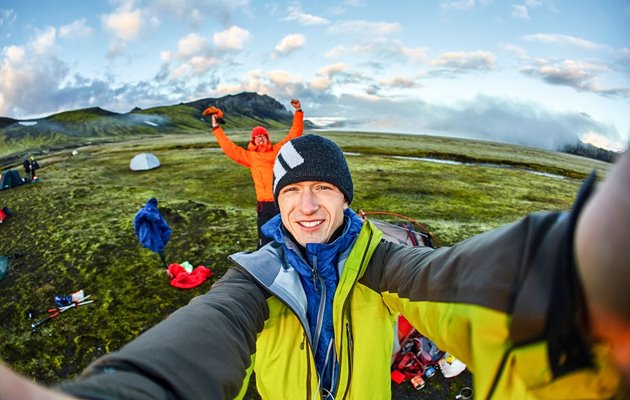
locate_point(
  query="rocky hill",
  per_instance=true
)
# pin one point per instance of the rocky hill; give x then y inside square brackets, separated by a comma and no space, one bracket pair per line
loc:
[242,111]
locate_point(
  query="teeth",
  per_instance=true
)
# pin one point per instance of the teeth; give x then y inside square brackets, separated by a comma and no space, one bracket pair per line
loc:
[310,224]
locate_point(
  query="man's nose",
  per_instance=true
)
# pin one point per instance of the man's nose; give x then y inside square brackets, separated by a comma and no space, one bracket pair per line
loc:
[308,202]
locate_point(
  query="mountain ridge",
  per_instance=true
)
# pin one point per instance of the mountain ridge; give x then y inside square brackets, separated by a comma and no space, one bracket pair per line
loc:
[242,111]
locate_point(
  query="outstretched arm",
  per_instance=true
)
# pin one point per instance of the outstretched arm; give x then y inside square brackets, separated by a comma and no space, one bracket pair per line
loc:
[200,351]
[16,387]
[602,248]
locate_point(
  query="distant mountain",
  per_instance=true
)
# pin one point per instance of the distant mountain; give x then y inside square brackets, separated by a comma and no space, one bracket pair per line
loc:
[590,151]
[242,111]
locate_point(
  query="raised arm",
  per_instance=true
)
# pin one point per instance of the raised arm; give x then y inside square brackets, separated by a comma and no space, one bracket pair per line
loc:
[298,124]
[231,149]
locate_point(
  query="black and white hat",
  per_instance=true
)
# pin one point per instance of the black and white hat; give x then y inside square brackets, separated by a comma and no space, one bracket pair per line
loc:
[311,158]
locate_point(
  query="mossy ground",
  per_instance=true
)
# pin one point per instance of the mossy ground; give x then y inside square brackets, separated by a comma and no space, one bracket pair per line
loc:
[74,229]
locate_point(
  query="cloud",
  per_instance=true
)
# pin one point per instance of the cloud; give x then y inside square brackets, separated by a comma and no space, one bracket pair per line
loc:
[481,118]
[458,62]
[45,41]
[75,29]
[288,45]
[400,82]
[581,76]
[13,54]
[125,23]
[7,17]
[384,48]
[458,5]
[233,38]
[520,12]
[373,29]
[191,45]
[295,13]
[560,39]
[462,5]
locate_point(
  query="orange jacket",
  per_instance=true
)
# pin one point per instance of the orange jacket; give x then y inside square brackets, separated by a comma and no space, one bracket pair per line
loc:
[259,160]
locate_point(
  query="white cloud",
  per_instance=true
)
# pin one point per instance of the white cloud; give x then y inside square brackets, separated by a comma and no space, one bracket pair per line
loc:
[13,54]
[75,29]
[125,23]
[288,44]
[320,83]
[282,78]
[400,82]
[519,12]
[473,60]
[365,28]
[232,38]
[582,76]
[45,41]
[190,45]
[333,69]
[7,17]
[295,13]
[335,52]
[458,4]
[561,39]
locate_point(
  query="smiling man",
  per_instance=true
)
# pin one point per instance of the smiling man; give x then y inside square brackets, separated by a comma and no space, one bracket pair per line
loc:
[533,308]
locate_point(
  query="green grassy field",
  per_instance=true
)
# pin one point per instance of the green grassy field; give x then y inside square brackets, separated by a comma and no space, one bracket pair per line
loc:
[74,229]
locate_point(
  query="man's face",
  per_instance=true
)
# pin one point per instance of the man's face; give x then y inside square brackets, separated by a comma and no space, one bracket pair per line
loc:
[311,210]
[260,140]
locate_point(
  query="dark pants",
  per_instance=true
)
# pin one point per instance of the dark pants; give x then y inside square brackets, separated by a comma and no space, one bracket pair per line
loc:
[266,210]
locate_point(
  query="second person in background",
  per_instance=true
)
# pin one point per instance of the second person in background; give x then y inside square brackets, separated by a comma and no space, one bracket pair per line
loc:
[259,157]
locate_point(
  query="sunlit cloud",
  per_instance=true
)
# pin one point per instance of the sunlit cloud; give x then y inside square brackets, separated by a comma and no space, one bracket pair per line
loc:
[374,29]
[76,29]
[125,23]
[233,38]
[466,61]
[560,39]
[296,14]
[288,45]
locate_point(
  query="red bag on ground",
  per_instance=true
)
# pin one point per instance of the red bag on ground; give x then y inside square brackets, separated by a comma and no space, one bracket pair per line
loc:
[183,280]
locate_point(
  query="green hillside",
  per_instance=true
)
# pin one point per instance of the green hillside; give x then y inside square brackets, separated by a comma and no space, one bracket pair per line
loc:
[74,229]
[95,125]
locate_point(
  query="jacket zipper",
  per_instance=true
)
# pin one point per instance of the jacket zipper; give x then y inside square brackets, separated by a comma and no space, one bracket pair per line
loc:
[346,310]
[322,304]
[308,367]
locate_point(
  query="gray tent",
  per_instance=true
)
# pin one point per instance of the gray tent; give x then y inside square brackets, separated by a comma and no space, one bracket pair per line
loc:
[143,162]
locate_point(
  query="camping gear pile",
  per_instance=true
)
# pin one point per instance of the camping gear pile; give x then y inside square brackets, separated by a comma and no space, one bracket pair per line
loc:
[62,304]
[416,358]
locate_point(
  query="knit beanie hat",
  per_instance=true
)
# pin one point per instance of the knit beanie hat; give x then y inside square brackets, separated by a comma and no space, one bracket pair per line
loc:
[311,158]
[259,130]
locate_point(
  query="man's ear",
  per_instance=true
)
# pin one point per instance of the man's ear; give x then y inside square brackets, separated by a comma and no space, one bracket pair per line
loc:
[345,204]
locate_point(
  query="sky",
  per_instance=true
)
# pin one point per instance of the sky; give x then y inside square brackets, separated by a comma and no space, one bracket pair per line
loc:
[532,72]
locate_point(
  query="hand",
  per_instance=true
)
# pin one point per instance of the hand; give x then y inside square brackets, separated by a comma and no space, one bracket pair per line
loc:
[296,104]
[212,111]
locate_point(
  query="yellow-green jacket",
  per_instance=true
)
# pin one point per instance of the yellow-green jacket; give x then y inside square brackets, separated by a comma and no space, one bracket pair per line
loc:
[507,303]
